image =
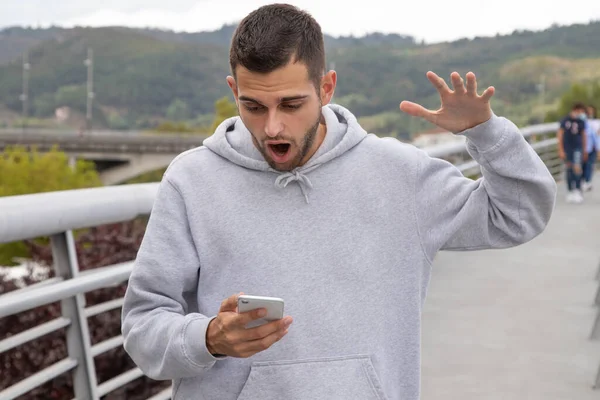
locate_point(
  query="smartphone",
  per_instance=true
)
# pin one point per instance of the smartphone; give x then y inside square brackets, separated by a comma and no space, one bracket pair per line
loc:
[273,305]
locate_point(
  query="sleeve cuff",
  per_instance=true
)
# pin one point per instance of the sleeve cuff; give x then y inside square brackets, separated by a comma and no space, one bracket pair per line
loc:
[195,342]
[487,135]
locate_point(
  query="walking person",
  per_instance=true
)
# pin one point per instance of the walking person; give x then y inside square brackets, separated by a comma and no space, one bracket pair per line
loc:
[572,142]
[592,131]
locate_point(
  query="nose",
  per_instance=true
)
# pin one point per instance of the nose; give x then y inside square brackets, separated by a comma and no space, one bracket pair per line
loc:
[274,125]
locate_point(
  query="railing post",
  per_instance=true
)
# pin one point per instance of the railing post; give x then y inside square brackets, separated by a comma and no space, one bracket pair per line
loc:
[597,296]
[595,335]
[597,382]
[78,336]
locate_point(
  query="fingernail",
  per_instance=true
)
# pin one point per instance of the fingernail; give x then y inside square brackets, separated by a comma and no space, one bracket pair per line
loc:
[262,312]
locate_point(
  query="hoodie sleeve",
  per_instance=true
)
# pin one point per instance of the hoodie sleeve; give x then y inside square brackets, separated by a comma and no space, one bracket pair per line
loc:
[510,205]
[162,338]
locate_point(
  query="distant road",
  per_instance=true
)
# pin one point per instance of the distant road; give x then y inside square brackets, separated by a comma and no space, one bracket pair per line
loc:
[102,141]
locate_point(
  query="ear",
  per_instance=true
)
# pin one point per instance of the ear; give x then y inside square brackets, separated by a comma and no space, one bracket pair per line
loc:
[328,82]
[233,86]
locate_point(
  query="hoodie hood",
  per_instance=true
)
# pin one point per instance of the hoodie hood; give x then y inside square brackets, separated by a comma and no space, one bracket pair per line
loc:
[233,141]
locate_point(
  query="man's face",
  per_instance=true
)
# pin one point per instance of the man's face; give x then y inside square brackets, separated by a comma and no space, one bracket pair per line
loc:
[576,112]
[282,110]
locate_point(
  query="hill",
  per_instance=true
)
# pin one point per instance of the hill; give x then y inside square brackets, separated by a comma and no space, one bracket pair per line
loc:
[139,74]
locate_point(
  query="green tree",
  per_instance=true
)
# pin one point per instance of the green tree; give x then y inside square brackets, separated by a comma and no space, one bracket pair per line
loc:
[178,110]
[118,122]
[25,172]
[173,127]
[588,94]
[74,96]
[224,108]
[44,105]
[595,94]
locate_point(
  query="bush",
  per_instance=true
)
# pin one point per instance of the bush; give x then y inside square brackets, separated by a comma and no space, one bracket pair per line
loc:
[26,171]
[97,247]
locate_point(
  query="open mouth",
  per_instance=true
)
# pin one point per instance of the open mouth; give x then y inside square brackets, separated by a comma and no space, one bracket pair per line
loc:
[280,149]
[280,152]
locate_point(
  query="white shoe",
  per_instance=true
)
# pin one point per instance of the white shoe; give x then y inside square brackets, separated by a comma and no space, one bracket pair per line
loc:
[586,186]
[570,197]
[578,196]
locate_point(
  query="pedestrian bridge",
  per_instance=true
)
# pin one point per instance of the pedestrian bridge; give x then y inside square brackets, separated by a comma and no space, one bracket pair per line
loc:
[520,323]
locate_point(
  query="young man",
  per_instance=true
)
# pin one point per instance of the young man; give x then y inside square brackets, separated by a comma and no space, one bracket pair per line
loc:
[293,199]
[592,129]
[571,144]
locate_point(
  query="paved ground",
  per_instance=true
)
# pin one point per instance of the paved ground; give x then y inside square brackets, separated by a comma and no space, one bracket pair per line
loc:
[515,324]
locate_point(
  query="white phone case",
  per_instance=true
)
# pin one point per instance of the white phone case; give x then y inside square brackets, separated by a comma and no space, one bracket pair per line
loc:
[273,305]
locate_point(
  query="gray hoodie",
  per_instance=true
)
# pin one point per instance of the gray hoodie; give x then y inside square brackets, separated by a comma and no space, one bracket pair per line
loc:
[347,240]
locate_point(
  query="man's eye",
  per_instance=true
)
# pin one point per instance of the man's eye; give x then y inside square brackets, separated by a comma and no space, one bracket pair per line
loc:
[254,109]
[292,106]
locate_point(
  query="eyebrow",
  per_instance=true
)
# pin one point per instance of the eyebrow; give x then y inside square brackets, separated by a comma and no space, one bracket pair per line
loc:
[281,100]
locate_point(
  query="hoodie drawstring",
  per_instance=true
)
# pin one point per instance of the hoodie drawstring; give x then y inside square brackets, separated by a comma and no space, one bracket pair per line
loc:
[305,184]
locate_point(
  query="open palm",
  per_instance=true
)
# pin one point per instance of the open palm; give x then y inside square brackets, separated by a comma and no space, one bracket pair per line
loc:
[462,108]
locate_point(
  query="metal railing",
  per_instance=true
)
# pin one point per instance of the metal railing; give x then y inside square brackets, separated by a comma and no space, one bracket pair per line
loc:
[595,334]
[57,214]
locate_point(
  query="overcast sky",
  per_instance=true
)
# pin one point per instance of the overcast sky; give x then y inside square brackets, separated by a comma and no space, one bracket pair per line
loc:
[432,20]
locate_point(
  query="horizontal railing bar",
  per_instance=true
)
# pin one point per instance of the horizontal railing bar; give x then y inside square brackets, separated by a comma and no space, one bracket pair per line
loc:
[95,270]
[474,164]
[43,214]
[458,147]
[38,379]
[118,381]
[467,166]
[36,285]
[33,333]
[163,395]
[103,307]
[106,345]
[549,143]
[10,305]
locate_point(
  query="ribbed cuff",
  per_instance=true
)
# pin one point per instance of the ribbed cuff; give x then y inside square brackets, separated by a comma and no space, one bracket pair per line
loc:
[486,135]
[195,342]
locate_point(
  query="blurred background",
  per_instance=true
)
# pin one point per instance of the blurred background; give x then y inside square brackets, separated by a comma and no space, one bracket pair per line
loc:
[97,94]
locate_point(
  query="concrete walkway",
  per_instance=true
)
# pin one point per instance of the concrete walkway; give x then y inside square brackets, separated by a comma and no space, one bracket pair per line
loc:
[515,324]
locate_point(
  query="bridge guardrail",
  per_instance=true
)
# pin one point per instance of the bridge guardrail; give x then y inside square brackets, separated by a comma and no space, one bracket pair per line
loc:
[57,214]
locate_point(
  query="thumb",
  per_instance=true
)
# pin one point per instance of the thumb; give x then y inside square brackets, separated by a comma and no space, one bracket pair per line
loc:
[230,303]
[417,110]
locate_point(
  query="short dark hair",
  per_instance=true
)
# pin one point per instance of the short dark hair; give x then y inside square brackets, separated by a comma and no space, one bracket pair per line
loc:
[578,106]
[273,35]
[594,112]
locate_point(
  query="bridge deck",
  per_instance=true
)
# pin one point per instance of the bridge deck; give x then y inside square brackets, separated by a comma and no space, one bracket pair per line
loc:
[515,324]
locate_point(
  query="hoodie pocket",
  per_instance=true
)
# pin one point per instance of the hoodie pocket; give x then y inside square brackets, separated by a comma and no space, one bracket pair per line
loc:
[332,378]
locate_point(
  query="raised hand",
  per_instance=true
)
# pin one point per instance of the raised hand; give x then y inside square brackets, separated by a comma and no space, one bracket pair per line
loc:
[462,108]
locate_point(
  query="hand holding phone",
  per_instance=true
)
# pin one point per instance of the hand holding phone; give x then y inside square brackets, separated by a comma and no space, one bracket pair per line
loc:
[228,333]
[272,305]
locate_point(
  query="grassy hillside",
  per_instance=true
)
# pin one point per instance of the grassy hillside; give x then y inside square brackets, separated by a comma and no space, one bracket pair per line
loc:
[134,73]
[142,74]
